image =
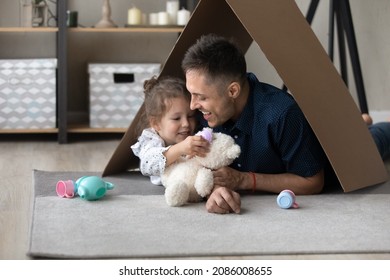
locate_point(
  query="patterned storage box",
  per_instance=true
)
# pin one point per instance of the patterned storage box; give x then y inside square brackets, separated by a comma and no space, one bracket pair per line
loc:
[116,92]
[28,93]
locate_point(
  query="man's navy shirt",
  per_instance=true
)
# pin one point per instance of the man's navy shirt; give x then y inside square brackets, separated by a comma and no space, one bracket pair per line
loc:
[273,134]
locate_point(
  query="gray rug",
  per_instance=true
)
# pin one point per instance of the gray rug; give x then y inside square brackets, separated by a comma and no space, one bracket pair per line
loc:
[133,221]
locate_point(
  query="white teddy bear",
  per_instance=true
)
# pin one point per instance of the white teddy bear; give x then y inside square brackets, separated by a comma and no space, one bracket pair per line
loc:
[189,179]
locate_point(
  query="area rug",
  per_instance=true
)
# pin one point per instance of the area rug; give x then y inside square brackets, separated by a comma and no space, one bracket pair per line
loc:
[133,221]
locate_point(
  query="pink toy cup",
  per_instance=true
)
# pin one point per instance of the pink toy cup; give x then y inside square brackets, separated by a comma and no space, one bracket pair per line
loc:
[65,189]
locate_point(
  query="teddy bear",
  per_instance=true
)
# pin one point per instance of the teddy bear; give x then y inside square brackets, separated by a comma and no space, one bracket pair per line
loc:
[190,179]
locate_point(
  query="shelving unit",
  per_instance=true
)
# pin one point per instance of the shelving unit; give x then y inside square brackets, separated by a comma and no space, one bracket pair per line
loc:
[151,29]
[63,39]
[62,76]
[28,30]
[84,127]
[29,131]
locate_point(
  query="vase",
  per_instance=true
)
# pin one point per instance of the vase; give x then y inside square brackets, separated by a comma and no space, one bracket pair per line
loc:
[106,21]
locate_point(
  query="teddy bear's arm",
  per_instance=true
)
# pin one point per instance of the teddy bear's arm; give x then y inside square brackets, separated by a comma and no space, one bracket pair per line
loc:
[204,182]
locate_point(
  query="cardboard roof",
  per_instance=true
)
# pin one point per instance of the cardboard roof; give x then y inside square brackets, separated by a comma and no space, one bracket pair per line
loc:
[287,40]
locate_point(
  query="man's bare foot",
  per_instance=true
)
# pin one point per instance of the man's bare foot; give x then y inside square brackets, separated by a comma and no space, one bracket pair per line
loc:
[367,119]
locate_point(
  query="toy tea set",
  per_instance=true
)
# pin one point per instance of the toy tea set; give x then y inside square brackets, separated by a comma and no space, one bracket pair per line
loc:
[87,187]
[93,188]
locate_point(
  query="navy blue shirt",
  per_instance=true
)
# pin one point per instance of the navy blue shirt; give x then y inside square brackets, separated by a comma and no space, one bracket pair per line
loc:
[273,134]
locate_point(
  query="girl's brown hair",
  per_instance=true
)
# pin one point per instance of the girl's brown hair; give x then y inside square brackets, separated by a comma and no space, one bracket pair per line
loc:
[158,93]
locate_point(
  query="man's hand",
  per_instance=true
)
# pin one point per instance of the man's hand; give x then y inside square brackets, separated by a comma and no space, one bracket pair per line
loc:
[223,201]
[227,177]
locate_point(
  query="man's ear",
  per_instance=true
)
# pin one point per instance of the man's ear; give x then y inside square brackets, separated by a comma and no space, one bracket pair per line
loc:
[234,90]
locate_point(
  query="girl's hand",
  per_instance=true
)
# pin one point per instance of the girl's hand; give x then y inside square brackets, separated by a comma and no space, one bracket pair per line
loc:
[191,146]
[195,146]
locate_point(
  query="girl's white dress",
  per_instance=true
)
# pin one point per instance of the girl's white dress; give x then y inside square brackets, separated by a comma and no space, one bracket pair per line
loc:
[150,149]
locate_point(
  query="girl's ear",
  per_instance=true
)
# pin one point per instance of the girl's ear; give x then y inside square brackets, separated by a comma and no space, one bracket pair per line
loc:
[154,124]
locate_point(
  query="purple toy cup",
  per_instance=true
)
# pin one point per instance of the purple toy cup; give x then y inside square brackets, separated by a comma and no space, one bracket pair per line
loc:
[65,188]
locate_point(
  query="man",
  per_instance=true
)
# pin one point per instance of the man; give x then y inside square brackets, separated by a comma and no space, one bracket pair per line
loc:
[279,149]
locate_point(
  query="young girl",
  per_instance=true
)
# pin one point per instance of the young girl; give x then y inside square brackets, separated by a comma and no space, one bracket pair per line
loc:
[171,124]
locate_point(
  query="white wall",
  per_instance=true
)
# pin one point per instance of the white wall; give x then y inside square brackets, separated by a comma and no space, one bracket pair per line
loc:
[371,22]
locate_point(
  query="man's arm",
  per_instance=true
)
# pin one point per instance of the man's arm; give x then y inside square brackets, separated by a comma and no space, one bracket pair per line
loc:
[273,183]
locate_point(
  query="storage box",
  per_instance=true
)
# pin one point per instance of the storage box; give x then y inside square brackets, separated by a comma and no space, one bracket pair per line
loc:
[28,93]
[116,92]
[291,46]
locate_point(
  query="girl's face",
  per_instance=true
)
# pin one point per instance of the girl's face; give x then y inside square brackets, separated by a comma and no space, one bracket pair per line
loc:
[177,123]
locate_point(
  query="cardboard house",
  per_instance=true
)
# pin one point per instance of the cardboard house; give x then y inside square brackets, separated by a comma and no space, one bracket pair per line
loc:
[287,40]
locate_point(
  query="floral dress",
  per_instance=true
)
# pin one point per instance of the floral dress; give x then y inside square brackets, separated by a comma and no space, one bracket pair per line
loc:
[150,149]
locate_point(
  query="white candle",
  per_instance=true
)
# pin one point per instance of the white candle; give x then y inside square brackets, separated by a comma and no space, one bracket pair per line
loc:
[172,9]
[153,18]
[183,16]
[134,16]
[163,18]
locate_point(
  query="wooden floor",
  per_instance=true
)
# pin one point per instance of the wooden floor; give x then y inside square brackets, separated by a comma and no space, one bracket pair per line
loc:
[18,158]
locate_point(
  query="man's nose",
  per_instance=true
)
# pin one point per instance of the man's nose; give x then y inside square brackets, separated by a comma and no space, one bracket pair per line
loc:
[193,104]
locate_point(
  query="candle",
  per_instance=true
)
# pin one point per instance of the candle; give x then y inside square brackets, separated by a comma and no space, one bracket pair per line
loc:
[183,16]
[172,9]
[153,18]
[163,18]
[134,16]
